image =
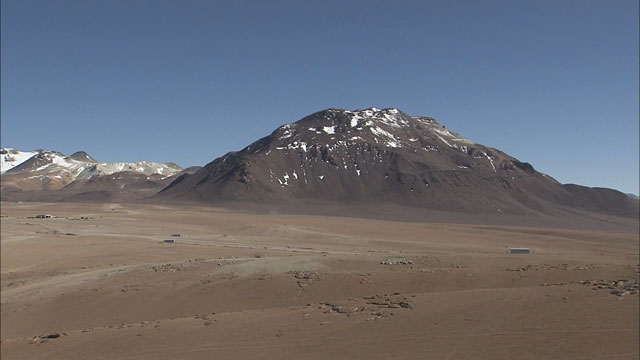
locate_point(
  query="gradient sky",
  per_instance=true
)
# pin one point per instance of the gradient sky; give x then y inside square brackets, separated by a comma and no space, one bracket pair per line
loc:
[553,83]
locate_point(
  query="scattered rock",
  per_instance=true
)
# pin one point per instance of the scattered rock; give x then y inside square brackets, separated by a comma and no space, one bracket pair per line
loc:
[617,287]
[396,261]
[45,338]
[305,278]
[169,268]
[262,277]
[619,292]
[380,302]
[388,301]
[554,267]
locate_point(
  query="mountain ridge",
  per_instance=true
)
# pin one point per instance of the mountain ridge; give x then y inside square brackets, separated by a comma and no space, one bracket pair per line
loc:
[48,170]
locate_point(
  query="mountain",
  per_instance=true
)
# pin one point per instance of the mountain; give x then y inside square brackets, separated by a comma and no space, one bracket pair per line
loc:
[44,175]
[82,157]
[51,170]
[120,186]
[375,156]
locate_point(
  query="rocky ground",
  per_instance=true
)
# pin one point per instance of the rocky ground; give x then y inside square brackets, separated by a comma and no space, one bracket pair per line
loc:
[97,282]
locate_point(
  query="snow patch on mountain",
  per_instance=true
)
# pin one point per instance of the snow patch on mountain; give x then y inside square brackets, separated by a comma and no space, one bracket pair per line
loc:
[390,140]
[55,163]
[329,129]
[10,158]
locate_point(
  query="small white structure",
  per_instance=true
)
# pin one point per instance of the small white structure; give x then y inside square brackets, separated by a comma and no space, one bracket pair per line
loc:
[519,251]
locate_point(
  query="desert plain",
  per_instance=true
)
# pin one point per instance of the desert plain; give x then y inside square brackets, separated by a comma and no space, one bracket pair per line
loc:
[99,282]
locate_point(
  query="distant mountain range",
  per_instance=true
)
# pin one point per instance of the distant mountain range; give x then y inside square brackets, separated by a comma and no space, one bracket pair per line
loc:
[49,175]
[369,157]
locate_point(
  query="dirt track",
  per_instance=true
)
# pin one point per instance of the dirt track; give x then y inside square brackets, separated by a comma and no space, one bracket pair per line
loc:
[110,287]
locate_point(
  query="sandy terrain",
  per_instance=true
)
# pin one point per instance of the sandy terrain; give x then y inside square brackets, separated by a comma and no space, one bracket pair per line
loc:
[323,287]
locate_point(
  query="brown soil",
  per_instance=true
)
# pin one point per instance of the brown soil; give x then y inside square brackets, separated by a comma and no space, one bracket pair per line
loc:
[98,283]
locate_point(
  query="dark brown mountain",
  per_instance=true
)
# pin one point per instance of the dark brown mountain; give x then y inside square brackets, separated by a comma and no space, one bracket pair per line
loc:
[385,157]
[82,156]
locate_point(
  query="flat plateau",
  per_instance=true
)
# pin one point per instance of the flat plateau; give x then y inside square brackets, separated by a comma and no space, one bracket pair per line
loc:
[99,282]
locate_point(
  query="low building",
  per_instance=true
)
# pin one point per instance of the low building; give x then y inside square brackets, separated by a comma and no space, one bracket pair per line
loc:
[169,241]
[44,216]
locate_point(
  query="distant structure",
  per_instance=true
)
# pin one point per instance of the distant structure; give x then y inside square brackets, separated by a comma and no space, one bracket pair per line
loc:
[175,235]
[519,251]
[44,216]
[258,256]
[169,241]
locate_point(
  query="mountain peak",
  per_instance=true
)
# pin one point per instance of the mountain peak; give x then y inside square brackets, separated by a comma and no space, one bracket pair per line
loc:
[388,127]
[82,157]
[379,156]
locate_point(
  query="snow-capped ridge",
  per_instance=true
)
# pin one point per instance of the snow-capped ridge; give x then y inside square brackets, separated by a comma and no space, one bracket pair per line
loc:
[10,158]
[53,164]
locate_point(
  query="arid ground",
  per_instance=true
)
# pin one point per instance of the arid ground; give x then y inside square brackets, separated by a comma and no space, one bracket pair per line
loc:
[97,282]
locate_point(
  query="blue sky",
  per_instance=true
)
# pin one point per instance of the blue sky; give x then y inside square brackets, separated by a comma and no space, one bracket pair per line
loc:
[553,83]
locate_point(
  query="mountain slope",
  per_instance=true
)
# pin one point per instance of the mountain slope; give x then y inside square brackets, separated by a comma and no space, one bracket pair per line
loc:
[383,156]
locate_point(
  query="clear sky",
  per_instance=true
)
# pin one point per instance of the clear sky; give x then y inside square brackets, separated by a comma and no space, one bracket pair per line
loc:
[553,83]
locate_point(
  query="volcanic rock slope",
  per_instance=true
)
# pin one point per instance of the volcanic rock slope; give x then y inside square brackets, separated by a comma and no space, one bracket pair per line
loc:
[380,156]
